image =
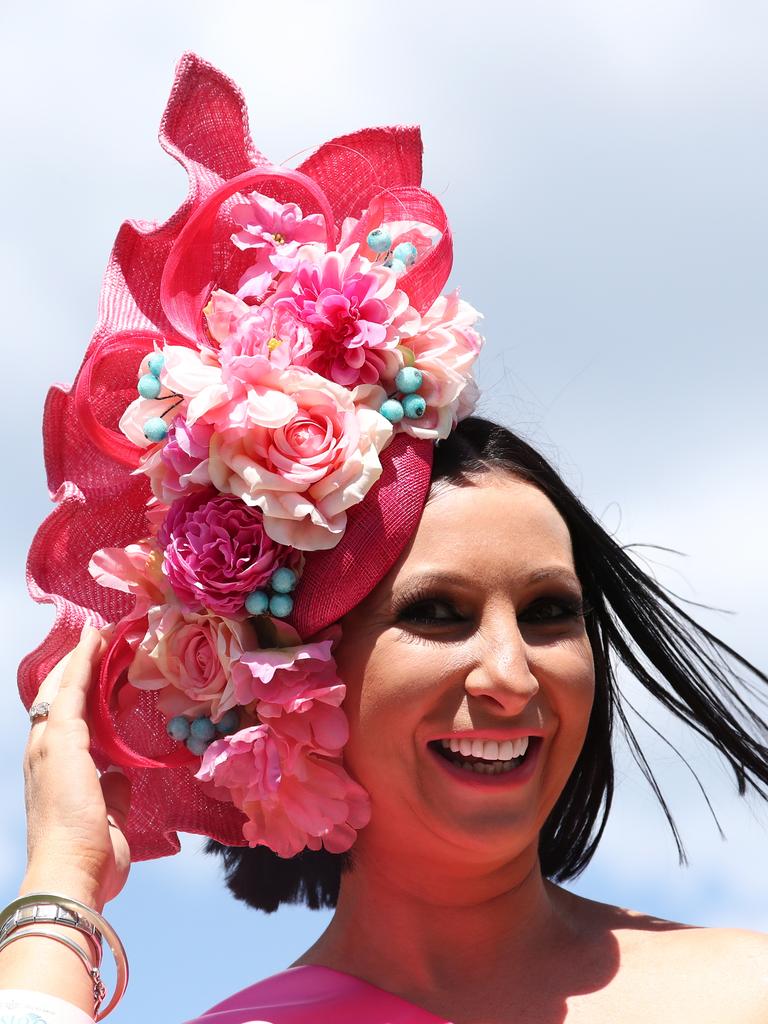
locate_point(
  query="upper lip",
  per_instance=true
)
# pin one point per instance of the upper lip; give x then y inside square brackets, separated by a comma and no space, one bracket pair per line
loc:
[487,734]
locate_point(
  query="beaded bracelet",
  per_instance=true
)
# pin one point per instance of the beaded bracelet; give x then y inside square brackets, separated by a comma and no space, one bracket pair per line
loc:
[90,915]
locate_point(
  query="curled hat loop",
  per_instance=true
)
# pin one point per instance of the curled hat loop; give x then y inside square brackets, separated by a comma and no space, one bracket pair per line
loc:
[187,278]
[101,713]
[112,349]
[424,281]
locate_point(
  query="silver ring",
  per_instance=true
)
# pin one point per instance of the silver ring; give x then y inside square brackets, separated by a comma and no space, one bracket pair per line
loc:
[40,710]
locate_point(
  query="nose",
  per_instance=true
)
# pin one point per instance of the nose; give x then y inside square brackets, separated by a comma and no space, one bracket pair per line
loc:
[501,675]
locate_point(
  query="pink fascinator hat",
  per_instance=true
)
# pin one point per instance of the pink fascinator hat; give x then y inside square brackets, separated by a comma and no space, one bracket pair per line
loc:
[243,455]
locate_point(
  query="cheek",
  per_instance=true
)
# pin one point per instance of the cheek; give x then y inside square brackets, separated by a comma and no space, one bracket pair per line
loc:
[387,692]
[567,676]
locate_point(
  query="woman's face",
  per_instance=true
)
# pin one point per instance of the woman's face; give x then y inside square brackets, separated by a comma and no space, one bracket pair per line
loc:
[475,640]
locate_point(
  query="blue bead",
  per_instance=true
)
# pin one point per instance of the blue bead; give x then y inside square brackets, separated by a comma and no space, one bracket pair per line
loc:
[257,602]
[397,265]
[392,410]
[196,745]
[178,728]
[202,729]
[379,240]
[149,386]
[407,252]
[229,722]
[156,362]
[156,429]
[283,580]
[414,406]
[408,380]
[280,605]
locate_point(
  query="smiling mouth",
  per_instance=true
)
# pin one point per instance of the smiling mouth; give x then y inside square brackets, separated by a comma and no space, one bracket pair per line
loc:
[486,757]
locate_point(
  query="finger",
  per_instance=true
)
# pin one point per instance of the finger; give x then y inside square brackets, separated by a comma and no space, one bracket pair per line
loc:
[116,788]
[48,690]
[76,678]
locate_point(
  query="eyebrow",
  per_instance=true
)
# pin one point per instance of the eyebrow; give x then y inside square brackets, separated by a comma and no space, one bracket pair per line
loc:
[554,574]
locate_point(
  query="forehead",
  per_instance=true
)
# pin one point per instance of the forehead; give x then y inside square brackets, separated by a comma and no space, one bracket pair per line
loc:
[498,524]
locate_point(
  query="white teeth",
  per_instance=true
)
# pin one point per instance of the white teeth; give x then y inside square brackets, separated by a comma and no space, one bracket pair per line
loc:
[491,751]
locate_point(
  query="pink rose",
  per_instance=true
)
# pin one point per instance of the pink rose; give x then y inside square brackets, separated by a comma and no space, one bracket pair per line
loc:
[188,656]
[216,552]
[305,473]
[355,314]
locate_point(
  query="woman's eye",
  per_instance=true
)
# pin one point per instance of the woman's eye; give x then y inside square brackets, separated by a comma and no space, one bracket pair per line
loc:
[551,610]
[427,613]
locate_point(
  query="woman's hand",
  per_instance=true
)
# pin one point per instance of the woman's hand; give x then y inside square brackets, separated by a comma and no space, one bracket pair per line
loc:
[75,820]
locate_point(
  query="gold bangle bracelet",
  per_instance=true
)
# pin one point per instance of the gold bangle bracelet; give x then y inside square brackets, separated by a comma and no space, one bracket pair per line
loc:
[106,929]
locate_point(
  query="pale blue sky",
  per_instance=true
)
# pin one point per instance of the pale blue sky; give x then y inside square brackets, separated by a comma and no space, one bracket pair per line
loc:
[604,168]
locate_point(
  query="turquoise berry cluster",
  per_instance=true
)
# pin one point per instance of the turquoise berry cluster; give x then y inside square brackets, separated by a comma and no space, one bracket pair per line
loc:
[279,603]
[155,429]
[198,733]
[398,259]
[409,405]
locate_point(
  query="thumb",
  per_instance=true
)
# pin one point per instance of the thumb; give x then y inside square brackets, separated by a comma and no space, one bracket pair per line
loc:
[116,788]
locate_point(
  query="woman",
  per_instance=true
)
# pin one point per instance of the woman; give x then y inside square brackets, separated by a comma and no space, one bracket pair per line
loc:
[479,700]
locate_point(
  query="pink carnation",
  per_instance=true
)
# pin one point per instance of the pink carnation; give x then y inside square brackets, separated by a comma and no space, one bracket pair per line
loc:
[292,797]
[253,339]
[275,231]
[300,682]
[188,656]
[445,349]
[355,314]
[216,552]
[304,473]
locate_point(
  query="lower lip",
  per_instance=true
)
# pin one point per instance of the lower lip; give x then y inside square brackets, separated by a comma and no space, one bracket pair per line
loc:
[504,780]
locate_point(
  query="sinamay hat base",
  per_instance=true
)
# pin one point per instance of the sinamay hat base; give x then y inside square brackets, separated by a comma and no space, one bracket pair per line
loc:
[276,312]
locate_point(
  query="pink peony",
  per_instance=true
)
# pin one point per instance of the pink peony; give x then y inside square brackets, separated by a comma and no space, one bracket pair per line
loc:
[180,466]
[275,231]
[188,656]
[292,797]
[355,314]
[305,473]
[216,552]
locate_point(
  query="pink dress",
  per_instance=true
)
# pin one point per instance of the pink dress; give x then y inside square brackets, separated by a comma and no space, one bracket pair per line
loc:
[315,995]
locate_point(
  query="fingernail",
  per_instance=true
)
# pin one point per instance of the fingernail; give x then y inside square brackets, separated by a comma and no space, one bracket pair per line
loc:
[114,769]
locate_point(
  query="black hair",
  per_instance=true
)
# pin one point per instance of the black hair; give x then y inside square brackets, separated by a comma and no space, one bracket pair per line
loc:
[630,620]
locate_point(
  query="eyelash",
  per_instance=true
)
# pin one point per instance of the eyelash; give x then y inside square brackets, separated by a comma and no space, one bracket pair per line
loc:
[570,608]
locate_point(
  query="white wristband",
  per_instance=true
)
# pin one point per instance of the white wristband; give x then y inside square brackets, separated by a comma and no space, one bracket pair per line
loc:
[49,1009]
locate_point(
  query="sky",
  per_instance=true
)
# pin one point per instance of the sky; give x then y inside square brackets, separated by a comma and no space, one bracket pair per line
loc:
[603,165]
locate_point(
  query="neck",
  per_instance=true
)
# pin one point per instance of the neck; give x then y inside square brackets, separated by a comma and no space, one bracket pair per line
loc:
[414,926]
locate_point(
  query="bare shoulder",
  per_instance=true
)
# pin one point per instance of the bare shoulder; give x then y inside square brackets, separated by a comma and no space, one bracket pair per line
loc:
[705,974]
